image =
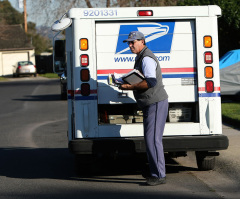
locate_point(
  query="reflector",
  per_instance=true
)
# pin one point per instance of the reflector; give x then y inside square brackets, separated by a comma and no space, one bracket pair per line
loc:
[83,44]
[207,41]
[85,89]
[209,86]
[208,57]
[145,13]
[209,72]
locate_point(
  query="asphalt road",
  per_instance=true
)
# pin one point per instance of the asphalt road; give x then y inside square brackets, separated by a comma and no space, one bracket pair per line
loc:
[35,162]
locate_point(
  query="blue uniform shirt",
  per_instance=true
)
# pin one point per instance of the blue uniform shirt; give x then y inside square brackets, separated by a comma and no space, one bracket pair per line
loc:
[149,66]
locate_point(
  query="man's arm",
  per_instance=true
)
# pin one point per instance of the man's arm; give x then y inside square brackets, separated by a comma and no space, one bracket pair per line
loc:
[149,70]
[139,86]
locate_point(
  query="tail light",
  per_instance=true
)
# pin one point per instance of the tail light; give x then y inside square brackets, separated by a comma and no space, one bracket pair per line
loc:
[84,44]
[85,72]
[207,41]
[145,13]
[19,66]
[85,89]
[208,57]
[85,76]
[209,86]
[209,72]
[84,60]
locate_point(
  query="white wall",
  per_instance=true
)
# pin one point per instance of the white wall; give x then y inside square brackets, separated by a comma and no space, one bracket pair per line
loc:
[10,58]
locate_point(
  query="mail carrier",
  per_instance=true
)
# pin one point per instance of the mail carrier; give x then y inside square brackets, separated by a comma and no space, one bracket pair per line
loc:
[103,119]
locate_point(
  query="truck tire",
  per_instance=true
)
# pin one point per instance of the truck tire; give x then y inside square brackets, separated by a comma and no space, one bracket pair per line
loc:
[83,165]
[63,96]
[204,162]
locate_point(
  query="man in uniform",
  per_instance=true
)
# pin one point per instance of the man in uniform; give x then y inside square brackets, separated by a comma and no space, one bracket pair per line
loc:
[152,98]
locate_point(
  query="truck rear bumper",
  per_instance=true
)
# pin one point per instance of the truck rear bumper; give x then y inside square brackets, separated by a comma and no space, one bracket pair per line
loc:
[133,145]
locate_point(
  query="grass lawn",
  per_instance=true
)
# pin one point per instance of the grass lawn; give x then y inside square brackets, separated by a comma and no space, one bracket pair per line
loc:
[49,75]
[231,113]
[3,79]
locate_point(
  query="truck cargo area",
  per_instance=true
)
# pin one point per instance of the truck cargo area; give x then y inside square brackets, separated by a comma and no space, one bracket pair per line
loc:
[130,113]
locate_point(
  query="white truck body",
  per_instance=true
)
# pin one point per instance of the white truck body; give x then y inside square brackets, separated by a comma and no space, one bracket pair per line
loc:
[176,36]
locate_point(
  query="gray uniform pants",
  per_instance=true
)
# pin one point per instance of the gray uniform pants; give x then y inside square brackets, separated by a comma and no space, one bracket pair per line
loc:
[154,119]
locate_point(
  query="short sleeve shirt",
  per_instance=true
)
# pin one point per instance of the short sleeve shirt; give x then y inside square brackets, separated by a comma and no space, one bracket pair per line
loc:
[149,66]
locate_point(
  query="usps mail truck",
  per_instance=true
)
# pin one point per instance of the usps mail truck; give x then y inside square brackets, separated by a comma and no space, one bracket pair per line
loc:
[103,119]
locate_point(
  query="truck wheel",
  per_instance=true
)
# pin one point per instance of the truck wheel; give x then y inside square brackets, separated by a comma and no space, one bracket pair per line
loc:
[83,165]
[204,162]
[63,96]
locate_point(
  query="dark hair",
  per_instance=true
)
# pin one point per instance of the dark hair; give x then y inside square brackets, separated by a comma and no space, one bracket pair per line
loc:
[144,43]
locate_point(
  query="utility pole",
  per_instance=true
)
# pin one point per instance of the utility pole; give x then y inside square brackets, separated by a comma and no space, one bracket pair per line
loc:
[25,15]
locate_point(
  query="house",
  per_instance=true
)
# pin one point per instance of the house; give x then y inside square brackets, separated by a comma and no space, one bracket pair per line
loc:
[14,47]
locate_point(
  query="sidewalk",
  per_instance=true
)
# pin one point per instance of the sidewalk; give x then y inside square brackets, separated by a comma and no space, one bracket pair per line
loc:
[225,178]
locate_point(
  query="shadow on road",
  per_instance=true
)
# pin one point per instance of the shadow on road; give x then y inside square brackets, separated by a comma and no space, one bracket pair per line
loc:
[116,178]
[32,163]
[36,163]
[49,97]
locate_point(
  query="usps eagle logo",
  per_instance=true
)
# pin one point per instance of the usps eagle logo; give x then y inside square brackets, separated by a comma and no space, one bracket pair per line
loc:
[158,36]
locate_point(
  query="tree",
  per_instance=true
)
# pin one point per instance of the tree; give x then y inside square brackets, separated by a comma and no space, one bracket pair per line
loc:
[229,23]
[41,44]
[142,3]
[156,2]
[8,15]
[50,10]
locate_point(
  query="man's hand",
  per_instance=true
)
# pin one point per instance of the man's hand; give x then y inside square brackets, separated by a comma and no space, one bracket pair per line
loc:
[139,86]
[125,87]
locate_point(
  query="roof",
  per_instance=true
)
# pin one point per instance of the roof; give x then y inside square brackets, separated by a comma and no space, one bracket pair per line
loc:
[13,37]
[131,12]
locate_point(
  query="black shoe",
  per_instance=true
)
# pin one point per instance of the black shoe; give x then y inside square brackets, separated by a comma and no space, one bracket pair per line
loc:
[153,181]
[146,175]
[146,172]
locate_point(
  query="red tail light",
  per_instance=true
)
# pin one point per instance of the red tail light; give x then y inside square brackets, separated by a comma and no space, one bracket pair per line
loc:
[209,86]
[84,74]
[19,67]
[84,60]
[85,89]
[208,57]
[145,13]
